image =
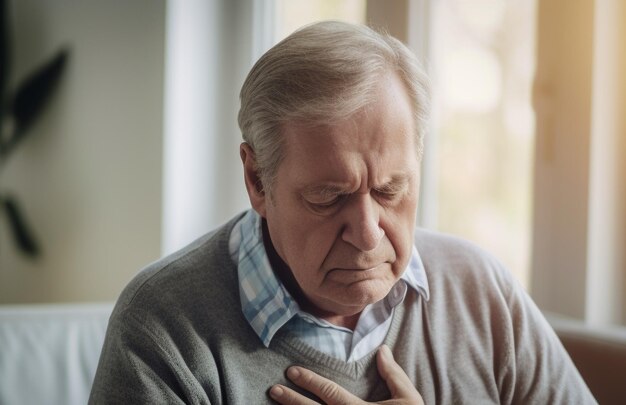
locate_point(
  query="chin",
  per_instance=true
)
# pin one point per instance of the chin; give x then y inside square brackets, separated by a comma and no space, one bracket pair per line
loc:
[364,293]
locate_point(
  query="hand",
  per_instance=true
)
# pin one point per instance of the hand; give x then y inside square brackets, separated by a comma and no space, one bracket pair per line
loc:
[402,390]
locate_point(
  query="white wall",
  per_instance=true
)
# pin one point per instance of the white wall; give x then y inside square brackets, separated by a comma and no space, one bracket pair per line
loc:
[89,175]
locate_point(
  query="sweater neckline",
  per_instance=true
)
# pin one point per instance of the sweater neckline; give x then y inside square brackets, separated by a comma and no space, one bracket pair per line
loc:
[309,357]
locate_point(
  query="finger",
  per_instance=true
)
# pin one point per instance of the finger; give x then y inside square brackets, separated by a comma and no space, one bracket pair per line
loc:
[286,396]
[397,381]
[328,391]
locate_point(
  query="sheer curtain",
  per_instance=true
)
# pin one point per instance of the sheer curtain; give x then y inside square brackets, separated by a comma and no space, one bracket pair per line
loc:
[210,46]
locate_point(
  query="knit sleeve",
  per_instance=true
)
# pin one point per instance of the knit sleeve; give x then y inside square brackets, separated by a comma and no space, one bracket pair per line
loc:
[138,365]
[540,371]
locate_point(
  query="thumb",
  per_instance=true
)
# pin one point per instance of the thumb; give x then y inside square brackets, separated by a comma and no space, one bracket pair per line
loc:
[397,381]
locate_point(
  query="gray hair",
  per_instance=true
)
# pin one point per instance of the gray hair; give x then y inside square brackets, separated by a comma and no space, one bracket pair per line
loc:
[322,73]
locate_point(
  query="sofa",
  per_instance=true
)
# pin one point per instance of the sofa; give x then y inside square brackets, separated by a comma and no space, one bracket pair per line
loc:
[599,354]
[49,353]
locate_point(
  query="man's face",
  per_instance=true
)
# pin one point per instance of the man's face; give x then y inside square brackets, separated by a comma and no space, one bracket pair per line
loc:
[342,208]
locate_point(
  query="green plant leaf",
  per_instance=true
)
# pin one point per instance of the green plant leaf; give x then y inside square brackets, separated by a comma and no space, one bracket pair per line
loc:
[32,95]
[21,233]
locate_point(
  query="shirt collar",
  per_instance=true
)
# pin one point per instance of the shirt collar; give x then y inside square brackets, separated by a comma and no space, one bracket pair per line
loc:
[266,303]
[415,275]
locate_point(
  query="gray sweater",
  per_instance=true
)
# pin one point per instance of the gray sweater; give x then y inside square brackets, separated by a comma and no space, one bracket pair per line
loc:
[177,335]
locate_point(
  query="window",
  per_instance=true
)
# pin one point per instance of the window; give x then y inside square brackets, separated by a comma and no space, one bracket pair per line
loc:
[482,60]
[293,14]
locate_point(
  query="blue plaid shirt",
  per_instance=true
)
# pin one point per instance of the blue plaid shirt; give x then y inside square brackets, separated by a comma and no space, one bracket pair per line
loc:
[268,306]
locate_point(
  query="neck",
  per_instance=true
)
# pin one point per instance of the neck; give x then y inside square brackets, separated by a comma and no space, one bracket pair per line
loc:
[284,274]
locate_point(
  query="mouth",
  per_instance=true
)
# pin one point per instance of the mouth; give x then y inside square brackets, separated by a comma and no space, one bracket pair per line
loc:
[361,265]
[354,274]
[355,268]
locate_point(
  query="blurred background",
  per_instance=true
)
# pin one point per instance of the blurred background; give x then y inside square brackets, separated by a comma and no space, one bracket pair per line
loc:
[137,152]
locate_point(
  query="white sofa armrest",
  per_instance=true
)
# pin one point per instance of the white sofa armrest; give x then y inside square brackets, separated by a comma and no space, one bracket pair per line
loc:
[49,353]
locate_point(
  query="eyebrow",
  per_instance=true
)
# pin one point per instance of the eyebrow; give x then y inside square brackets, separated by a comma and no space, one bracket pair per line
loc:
[396,184]
[326,190]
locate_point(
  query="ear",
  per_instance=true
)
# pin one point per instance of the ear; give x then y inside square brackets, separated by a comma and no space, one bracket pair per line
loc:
[256,191]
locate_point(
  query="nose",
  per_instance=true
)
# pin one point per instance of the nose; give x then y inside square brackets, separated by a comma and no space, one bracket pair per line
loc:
[362,228]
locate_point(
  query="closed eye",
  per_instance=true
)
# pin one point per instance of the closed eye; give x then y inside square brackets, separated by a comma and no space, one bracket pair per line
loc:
[387,198]
[386,195]
[390,193]
[326,202]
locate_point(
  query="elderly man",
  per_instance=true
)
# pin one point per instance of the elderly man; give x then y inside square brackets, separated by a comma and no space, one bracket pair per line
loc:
[315,291]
